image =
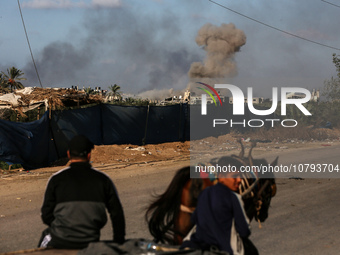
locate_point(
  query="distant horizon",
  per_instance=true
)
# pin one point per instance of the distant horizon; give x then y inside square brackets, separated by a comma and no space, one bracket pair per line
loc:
[152,45]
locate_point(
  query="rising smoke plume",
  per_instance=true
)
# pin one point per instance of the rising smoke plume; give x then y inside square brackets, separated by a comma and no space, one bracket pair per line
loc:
[159,94]
[221,44]
[117,46]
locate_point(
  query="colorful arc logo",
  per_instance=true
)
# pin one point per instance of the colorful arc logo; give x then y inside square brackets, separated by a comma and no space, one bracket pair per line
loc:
[209,93]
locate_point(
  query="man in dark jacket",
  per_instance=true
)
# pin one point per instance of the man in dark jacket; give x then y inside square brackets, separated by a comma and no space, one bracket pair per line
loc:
[76,200]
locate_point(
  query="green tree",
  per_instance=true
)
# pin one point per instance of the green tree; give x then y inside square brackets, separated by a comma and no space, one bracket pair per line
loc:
[12,78]
[332,87]
[114,92]
[89,91]
[3,85]
[336,61]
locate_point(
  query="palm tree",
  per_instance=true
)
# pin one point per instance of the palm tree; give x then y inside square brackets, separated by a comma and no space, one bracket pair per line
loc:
[89,90]
[114,91]
[12,78]
[1,82]
[3,85]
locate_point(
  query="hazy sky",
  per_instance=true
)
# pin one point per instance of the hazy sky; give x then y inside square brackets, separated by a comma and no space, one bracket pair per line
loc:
[151,44]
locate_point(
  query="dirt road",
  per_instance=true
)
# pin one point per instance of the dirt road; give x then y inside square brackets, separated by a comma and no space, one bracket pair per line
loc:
[304,217]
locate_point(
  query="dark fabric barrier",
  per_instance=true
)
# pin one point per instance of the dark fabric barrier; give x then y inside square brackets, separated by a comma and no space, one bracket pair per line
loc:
[84,121]
[28,144]
[165,124]
[186,122]
[201,126]
[39,143]
[123,124]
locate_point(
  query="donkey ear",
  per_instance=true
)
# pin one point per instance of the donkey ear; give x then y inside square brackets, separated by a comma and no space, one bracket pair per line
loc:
[242,148]
[274,163]
[250,157]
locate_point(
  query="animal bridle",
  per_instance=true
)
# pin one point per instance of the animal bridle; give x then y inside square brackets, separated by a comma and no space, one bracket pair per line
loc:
[245,188]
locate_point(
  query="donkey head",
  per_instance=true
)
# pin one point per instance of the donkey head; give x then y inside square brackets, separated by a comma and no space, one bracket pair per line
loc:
[257,189]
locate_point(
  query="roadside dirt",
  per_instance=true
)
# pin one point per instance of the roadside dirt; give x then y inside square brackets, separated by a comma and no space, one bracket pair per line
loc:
[121,156]
[133,154]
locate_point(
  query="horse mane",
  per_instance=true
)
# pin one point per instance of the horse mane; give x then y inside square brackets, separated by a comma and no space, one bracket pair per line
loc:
[163,211]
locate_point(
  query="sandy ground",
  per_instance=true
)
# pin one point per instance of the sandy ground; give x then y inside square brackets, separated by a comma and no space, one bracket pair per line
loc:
[121,156]
[304,218]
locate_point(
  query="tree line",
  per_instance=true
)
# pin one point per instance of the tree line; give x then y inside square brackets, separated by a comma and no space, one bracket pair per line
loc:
[10,80]
[322,112]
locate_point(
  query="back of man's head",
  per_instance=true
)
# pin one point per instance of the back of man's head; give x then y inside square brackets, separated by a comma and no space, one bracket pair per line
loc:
[79,147]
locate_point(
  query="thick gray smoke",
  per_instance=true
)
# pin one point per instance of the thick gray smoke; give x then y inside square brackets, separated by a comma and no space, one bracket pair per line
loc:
[221,44]
[59,64]
[116,46]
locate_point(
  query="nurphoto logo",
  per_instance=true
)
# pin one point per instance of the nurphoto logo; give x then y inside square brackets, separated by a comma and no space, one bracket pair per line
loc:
[239,104]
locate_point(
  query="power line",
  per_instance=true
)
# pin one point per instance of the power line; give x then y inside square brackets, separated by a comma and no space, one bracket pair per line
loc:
[277,29]
[331,3]
[29,45]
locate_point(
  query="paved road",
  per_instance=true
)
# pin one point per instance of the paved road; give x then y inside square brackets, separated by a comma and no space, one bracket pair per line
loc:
[304,217]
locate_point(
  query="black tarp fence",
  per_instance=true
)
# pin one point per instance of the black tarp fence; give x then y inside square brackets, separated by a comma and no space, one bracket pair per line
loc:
[39,143]
[66,124]
[124,124]
[28,144]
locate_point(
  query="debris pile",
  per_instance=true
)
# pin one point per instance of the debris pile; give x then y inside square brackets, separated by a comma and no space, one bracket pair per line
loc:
[53,98]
